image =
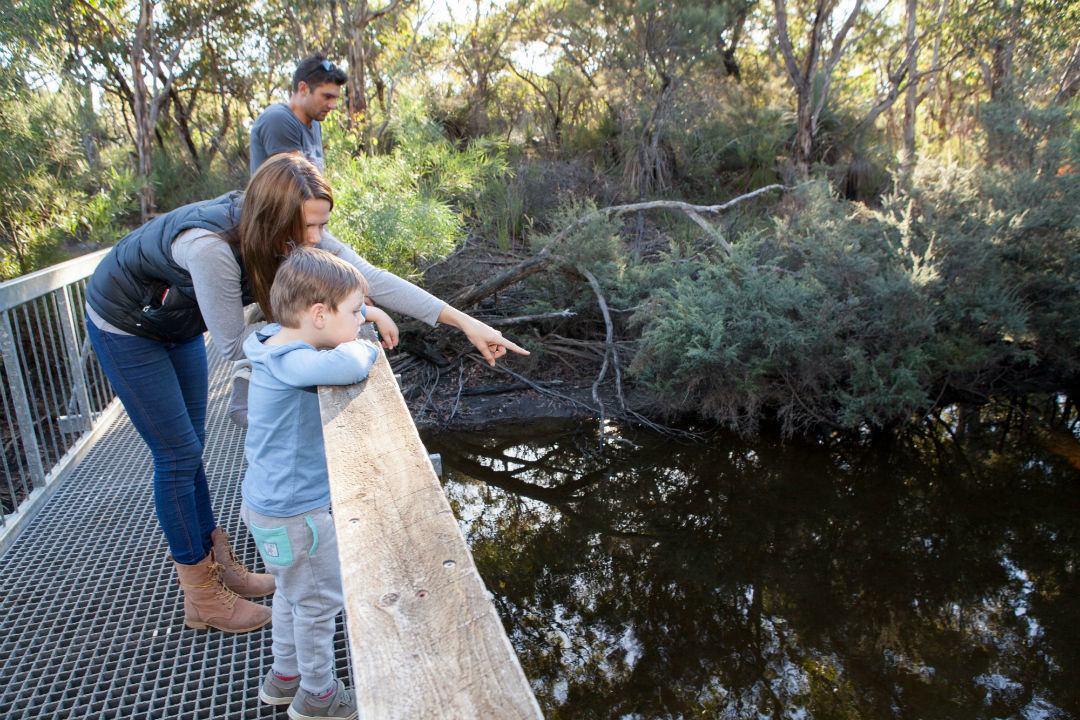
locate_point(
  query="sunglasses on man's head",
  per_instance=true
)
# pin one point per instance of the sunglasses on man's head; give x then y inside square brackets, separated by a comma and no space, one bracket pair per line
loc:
[325,65]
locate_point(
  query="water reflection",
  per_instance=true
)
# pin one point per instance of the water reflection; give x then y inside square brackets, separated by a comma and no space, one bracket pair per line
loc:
[933,578]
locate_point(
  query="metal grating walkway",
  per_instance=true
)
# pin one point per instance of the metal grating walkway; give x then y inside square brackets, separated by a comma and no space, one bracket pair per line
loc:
[91,616]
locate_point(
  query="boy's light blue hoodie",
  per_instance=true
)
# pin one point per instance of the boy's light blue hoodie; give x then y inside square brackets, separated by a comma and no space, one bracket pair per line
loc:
[286,473]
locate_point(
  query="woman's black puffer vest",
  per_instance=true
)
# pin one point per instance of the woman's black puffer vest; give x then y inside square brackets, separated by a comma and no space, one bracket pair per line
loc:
[139,288]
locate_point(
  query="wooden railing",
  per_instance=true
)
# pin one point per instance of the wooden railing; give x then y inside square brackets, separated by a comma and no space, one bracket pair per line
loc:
[424,636]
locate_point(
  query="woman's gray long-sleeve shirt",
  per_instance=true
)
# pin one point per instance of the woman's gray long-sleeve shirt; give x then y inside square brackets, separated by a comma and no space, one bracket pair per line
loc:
[215,275]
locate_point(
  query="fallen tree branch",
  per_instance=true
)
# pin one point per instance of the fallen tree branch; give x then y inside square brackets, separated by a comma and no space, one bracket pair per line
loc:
[479,361]
[557,339]
[609,347]
[420,412]
[468,297]
[522,319]
[457,400]
[560,349]
[631,415]
[500,389]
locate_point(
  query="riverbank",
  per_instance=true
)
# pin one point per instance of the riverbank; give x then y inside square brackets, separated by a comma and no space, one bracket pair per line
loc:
[488,401]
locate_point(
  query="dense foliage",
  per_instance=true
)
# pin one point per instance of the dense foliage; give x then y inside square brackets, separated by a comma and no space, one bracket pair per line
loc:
[855,318]
[929,253]
[395,208]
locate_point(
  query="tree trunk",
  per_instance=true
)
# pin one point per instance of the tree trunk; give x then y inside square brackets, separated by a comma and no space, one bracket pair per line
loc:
[91,135]
[358,105]
[1001,69]
[356,21]
[802,78]
[478,108]
[1070,79]
[141,107]
[1000,132]
[944,102]
[478,102]
[181,115]
[217,143]
[804,135]
[911,96]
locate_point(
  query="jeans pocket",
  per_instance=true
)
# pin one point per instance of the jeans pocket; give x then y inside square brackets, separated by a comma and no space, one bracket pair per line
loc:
[273,544]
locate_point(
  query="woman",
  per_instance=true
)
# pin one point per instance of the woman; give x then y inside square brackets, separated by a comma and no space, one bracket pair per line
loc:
[148,304]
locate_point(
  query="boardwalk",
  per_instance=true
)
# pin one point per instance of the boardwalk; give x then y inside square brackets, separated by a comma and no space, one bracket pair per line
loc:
[91,617]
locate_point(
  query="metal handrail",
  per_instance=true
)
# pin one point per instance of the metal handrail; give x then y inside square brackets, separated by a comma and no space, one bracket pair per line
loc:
[54,397]
[33,285]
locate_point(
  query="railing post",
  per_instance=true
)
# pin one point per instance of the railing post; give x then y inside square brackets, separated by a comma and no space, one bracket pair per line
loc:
[78,376]
[20,400]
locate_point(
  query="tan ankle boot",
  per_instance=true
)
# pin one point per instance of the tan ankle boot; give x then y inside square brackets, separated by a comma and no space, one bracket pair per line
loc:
[237,577]
[208,603]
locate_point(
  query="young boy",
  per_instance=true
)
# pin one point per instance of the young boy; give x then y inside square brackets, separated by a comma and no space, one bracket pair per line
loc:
[318,303]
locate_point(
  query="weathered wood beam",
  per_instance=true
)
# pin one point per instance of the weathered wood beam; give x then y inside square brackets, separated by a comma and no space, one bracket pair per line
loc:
[425,639]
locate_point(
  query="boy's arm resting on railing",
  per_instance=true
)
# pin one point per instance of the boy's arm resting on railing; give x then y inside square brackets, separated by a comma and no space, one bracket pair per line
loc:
[346,364]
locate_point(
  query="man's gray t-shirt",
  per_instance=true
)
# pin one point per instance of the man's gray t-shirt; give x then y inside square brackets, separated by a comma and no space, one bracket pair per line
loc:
[278,130]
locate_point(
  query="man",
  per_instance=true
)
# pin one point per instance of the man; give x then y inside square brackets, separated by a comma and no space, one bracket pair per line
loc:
[294,126]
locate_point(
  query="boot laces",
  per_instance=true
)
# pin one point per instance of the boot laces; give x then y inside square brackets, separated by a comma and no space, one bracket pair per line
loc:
[240,567]
[215,579]
[223,593]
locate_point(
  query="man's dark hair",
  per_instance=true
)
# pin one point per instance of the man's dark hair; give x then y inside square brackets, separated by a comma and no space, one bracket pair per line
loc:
[315,71]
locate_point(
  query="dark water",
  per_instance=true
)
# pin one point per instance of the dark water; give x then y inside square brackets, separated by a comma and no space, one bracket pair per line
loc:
[932,578]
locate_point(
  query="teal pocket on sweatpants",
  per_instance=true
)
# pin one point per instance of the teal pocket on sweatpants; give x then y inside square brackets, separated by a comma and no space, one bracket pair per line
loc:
[273,545]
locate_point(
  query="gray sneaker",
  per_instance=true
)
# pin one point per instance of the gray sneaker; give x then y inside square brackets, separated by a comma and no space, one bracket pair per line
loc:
[340,706]
[275,691]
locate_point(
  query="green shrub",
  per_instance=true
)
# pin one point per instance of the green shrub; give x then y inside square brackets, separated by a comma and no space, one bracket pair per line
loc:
[737,147]
[501,211]
[51,203]
[854,319]
[1010,248]
[403,209]
[179,181]
[112,211]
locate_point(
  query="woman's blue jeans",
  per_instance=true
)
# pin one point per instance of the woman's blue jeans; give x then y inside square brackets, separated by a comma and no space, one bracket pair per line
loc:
[163,386]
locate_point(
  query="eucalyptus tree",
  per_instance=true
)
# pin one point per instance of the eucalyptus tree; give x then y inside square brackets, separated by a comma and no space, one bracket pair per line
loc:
[478,53]
[826,38]
[640,55]
[49,141]
[39,155]
[141,54]
[146,55]
[358,22]
[893,57]
[352,33]
[309,26]
[218,77]
[561,96]
[564,92]
[37,51]
[1019,67]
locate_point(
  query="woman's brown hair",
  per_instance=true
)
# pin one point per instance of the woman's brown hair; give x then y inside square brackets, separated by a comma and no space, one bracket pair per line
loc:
[272,218]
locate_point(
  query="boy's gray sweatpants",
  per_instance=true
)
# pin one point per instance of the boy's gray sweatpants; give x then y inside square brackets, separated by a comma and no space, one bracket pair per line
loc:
[301,553]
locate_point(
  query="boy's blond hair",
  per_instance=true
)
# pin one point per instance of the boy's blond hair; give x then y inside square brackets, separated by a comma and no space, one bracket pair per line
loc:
[309,276]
